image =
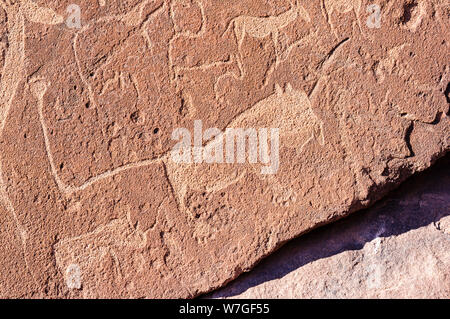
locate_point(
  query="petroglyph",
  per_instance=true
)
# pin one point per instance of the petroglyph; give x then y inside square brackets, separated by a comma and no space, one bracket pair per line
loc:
[12,74]
[37,14]
[288,110]
[180,33]
[136,18]
[11,77]
[291,112]
[80,256]
[86,116]
[115,85]
[39,87]
[343,7]
[261,28]
[75,250]
[297,122]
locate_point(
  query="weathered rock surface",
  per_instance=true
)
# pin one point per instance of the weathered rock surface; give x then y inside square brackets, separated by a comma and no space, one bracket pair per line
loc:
[398,249]
[92,203]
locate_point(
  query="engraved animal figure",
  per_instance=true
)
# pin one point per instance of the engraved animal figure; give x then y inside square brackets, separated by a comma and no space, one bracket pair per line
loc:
[202,177]
[37,14]
[290,111]
[116,241]
[341,6]
[261,27]
[11,75]
[183,34]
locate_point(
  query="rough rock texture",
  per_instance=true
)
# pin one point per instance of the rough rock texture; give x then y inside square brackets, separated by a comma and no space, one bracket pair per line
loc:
[92,204]
[398,249]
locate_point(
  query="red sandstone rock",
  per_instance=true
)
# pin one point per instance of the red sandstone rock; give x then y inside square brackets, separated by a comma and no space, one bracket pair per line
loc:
[96,207]
[398,249]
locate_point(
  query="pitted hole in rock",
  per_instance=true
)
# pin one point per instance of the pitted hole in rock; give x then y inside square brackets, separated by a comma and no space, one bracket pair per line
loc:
[410,9]
[183,108]
[134,117]
[447,93]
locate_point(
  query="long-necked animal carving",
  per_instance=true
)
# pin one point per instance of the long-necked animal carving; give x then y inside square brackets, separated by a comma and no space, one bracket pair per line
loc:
[13,73]
[17,12]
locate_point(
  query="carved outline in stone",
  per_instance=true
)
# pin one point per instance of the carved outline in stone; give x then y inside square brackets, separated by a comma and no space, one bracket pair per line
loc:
[329,6]
[261,27]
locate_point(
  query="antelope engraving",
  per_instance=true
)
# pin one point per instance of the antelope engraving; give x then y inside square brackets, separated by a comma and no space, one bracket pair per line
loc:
[261,27]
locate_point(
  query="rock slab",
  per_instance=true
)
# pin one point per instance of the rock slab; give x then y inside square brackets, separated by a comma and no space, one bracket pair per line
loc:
[400,248]
[92,203]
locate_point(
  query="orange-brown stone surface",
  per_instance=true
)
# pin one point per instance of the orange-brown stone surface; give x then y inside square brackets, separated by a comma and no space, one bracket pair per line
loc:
[93,205]
[400,248]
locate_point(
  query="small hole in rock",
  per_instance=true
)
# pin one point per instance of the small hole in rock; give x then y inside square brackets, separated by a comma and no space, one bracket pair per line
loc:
[134,117]
[447,92]
[409,10]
